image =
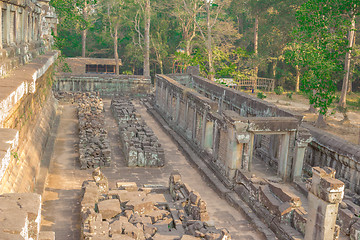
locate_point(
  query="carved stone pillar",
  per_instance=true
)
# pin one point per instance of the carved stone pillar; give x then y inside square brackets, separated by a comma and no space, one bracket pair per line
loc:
[302,141]
[324,197]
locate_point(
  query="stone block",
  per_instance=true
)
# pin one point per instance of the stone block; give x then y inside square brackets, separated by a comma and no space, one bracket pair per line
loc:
[47,235]
[109,208]
[116,227]
[133,231]
[14,223]
[346,219]
[149,229]
[140,207]
[157,215]
[155,198]
[188,237]
[128,186]
[164,225]
[121,237]
[131,196]
[30,204]
[284,195]
[299,219]
[269,201]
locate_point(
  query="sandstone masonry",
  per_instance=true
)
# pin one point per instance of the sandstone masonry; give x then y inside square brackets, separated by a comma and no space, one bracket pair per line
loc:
[139,143]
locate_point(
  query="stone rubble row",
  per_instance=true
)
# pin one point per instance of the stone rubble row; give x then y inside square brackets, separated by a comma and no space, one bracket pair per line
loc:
[140,145]
[94,147]
[129,212]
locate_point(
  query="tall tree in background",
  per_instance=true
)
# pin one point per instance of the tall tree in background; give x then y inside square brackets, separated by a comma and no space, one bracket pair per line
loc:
[147,38]
[114,13]
[212,10]
[84,31]
[350,9]
[322,46]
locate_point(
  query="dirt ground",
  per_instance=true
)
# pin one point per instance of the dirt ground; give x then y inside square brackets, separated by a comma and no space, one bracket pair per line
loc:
[299,104]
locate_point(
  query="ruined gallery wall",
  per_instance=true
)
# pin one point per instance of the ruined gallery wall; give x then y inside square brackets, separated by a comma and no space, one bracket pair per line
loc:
[25,28]
[195,117]
[32,115]
[106,85]
[329,150]
[242,103]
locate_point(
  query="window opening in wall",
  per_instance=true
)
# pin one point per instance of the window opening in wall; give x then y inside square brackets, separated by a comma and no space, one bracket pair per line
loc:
[12,27]
[29,27]
[3,28]
[36,29]
[100,68]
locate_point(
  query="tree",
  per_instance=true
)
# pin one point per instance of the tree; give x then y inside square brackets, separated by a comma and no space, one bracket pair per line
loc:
[147,39]
[213,12]
[114,13]
[322,45]
[351,9]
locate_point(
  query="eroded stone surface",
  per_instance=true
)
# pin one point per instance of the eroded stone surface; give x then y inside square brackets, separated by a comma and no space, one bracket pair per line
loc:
[140,145]
[137,214]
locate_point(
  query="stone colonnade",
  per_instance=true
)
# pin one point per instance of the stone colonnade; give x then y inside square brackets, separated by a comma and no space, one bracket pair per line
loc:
[225,138]
[25,22]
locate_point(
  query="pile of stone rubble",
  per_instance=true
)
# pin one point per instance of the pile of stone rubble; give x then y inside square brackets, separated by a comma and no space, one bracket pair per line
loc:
[129,212]
[94,147]
[140,145]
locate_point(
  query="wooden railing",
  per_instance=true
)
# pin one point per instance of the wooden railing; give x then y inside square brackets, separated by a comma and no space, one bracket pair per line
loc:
[266,84]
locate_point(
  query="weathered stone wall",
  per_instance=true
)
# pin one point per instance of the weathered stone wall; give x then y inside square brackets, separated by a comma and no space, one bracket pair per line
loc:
[25,28]
[329,150]
[230,99]
[30,112]
[106,85]
[139,144]
[223,137]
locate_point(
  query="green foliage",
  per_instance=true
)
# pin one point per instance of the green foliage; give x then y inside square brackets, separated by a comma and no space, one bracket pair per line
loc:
[289,95]
[261,95]
[319,47]
[279,90]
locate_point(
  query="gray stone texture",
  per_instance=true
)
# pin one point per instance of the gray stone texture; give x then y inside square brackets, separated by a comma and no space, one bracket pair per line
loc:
[140,145]
[94,147]
[138,214]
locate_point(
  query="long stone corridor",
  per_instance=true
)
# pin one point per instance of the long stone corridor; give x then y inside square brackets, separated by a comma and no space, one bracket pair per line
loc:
[62,189]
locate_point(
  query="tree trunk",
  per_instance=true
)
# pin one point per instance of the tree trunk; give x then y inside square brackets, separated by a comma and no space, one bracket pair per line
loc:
[208,44]
[147,39]
[273,72]
[320,122]
[83,51]
[84,33]
[297,86]
[350,82]
[345,84]
[312,108]
[116,55]
[256,42]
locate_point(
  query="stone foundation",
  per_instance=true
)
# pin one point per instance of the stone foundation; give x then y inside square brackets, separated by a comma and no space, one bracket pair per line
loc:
[139,143]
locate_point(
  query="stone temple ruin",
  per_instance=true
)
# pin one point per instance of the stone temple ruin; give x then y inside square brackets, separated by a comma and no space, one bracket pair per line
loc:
[140,145]
[130,212]
[299,181]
